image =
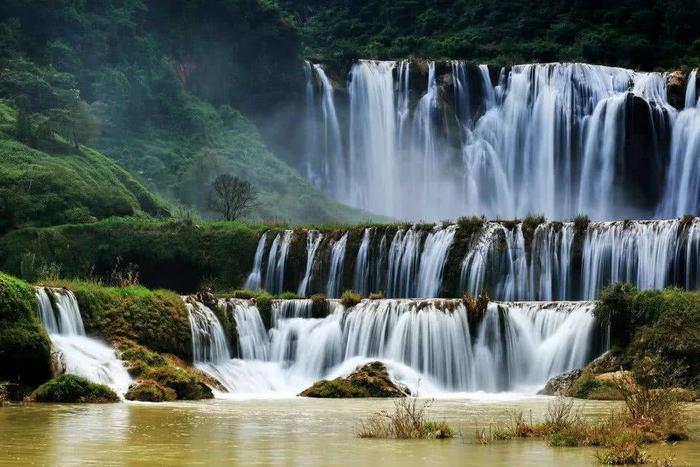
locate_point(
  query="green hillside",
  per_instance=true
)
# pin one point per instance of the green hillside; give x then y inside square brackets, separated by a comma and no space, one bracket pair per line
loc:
[38,188]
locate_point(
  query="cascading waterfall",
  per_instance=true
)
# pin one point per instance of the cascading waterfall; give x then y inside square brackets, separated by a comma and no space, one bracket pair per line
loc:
[556,139]
[254,279]
[511,261]
[313,240]
[78,354]
[682,194]
[335,276]
[360,281]
[427,345]
[649,254]
[276,261]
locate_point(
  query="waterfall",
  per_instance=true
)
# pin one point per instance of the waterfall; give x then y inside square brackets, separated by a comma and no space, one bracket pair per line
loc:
[557,139]
[432,262]
[276,261]
[313,240]
[642,253]
[682,193]
[691,97]
[374,173]
[360,282]
[255,277]
[78,354]
[426,344]
[335,276]
[209,343]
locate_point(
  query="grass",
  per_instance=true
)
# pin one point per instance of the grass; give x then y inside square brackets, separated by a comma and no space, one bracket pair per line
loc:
[649,416]
[408,420]
[350,298]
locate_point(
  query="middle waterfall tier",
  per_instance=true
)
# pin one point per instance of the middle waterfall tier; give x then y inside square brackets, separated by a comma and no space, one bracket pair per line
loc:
[431,346]
[528,260]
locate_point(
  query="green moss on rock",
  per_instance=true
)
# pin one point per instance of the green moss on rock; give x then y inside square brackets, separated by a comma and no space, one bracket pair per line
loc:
[156,319]
[71,388]
[150,391]
[370,380]
[184,383]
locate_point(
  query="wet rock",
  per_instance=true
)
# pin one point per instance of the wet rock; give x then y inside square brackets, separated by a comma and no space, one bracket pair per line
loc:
[675,88]
[370,380]
[559,385]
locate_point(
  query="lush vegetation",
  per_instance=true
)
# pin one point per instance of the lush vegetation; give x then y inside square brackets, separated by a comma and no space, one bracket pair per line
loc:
[71,388]
[178,254]
[658,330]
[62,185]
[159,88]
[25,351]
[646,34]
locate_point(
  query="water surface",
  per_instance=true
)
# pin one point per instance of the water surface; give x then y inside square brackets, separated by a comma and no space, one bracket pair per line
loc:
[283,432]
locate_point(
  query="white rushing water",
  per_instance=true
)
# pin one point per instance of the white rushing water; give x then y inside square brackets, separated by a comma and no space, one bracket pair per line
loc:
[78,354]
[254,279]
[427,345]
[542,138]
[335,276]
[276,262]
[649,254]
[558,261]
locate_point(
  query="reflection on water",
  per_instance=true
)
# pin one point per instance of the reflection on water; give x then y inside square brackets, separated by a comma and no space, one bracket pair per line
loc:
[299,431]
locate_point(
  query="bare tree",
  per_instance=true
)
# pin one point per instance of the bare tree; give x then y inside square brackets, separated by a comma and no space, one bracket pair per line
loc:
[231,196]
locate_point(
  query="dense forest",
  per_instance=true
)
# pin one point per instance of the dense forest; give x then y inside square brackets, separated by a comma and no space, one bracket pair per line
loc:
[647,34]
[178,92]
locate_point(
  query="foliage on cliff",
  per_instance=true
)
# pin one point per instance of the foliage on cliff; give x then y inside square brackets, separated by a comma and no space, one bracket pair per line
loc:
[646,34]
[659,331]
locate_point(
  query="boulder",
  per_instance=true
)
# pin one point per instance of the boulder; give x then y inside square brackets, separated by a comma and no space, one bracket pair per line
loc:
[559,385]
[370,380]
[675,88]
[150,391]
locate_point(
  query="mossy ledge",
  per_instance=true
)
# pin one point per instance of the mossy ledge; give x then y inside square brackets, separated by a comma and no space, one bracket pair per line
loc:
[71,388]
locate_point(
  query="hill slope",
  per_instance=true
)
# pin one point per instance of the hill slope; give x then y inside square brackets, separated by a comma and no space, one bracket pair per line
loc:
[38,188]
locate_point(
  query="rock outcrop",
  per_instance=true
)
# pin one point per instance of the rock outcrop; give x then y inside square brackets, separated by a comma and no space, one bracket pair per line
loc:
[369,380]
[559,385]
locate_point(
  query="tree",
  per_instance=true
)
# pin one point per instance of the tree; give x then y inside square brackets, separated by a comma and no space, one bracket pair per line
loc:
[231,196]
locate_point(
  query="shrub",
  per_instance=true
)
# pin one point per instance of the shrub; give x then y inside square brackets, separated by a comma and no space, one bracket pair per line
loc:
[407,421]
[244,294]
[319,306]
[150,391]
[376,295]
[71,388]
[531,221]
[350,298]
[581,222]
[288,296]
[566,440]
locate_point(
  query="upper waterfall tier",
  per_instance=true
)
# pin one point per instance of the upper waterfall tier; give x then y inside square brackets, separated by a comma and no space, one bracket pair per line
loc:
[510,260]
[429,141]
